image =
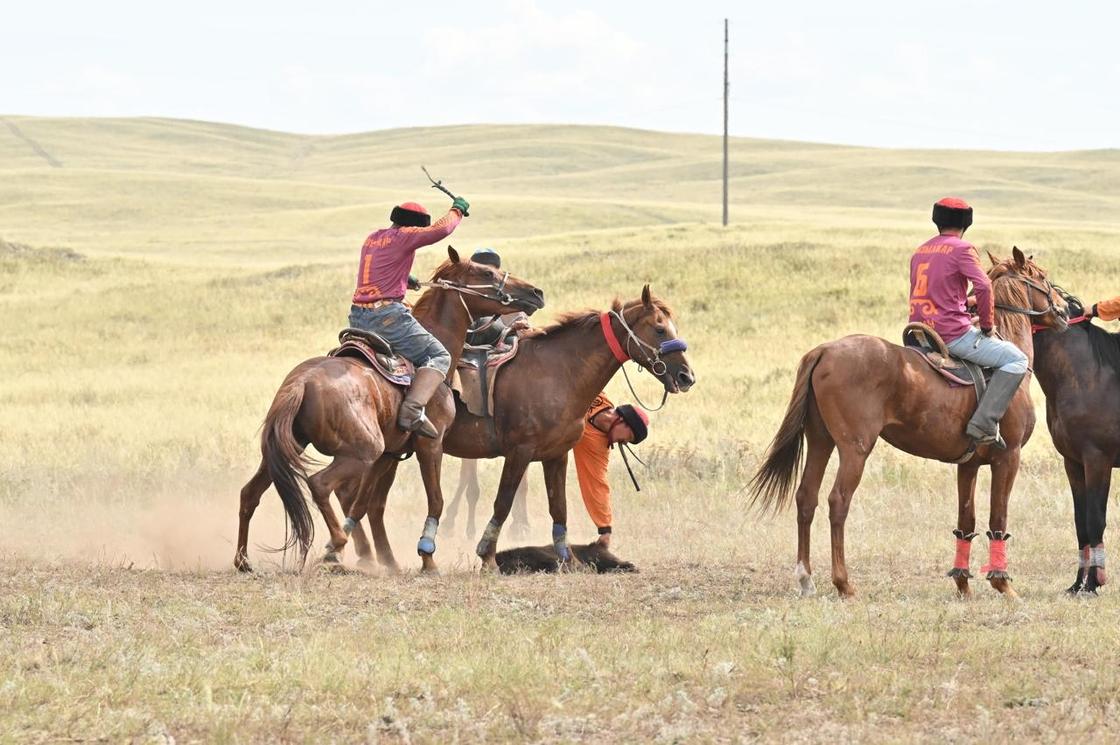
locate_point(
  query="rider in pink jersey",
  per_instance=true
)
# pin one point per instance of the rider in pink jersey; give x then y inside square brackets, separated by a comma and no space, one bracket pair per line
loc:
[940,271]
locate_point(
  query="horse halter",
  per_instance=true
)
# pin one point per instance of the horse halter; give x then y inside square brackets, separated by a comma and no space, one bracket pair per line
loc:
[1047,291]
[651,355]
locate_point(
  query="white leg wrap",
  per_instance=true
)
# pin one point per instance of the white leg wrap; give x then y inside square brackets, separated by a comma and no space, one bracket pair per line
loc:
[349,525]
[1096,556]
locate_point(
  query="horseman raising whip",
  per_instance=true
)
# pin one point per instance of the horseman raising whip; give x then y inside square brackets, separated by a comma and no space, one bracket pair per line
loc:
[378,306]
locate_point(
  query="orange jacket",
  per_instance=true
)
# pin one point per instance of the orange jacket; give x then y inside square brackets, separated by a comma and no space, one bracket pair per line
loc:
[591,455]
[1109,310]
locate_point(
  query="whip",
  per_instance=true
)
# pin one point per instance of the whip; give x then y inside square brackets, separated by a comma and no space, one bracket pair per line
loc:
[439,185]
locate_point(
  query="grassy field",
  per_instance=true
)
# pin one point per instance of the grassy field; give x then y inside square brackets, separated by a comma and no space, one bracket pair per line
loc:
[158,278]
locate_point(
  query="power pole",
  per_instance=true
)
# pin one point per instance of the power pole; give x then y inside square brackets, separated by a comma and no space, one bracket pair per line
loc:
[725,92]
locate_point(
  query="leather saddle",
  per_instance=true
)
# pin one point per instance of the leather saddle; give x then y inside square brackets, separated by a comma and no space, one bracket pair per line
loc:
[375,351]
[923,340]
[478,370]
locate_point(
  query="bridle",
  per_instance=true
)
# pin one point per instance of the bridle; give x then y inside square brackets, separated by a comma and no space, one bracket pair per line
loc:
[1047,291]
[650,355]
[499,296]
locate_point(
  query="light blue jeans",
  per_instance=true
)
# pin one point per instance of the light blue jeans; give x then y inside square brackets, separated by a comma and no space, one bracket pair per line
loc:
[394,322]
[988,351]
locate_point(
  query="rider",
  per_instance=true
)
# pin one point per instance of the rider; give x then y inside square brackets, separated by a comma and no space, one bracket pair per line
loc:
[486,332]
[940,271]
[604,426]
[1106,310]
[386,260]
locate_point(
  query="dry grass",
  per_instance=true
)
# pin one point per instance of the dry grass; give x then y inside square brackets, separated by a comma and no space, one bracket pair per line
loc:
[201,262]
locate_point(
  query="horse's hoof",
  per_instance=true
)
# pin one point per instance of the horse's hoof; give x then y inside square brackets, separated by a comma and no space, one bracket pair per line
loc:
[332,557]
[366,565]
[489,565]
[242,565]
[804,581]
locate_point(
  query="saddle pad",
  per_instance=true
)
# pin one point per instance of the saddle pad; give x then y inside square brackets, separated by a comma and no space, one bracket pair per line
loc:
[477,373]
[395,369]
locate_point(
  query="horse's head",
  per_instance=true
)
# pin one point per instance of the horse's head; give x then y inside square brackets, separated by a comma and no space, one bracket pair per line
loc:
[486,291]
[650,338]
[1028,291]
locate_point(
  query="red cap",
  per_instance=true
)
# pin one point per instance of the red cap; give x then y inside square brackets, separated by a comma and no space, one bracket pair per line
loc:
[413,207]
[955,203]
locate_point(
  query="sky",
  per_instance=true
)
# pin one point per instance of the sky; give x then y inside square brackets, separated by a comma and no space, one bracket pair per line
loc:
[1021,75]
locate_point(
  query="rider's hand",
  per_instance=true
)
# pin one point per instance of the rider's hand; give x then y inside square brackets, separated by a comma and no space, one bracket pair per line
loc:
[987,331]
[605,540]
[462,205]
[1092,312]
[413,283]
[521,324]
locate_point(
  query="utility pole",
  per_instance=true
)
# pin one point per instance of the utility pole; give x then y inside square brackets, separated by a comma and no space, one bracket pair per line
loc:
[725,92]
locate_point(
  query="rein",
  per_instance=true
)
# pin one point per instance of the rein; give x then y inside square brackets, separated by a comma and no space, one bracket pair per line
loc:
[651,355]
[1031,312]
[499,296]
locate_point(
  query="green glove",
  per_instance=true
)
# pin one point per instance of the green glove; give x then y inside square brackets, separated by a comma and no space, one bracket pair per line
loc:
[462,205]
[413,283]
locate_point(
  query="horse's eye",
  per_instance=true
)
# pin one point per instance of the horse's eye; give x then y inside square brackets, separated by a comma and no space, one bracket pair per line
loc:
[661,331]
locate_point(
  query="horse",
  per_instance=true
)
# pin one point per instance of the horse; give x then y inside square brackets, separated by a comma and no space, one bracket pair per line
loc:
[348,412]
[1079,372]
[468,487]
[541,398]
[852,391]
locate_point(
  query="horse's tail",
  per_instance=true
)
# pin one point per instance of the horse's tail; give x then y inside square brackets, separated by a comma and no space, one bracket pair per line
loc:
[287,465]
[772,486]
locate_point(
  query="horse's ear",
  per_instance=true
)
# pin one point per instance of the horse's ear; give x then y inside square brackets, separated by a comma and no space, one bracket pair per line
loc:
[1020,259]
[646,299]
[453,254]
[992,258]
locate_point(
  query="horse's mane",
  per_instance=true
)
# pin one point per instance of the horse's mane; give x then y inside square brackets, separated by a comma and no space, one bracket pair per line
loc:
[1105,345]
[1006,291]
[447,270]
[587,318]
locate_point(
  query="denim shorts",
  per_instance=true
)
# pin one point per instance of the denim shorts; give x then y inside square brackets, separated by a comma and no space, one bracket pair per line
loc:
[395,323]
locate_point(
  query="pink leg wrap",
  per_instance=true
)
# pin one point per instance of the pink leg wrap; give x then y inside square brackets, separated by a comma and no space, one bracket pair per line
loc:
[963,549]
[997,556]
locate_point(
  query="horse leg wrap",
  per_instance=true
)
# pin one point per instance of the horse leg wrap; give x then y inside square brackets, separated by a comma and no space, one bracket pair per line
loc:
[1095,574]
[349,525]
[427,544]
[489,538]
[560,542]
[964,548]
[996,568]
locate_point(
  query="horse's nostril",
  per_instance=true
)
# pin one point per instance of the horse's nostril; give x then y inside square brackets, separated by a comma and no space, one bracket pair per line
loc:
[684,376]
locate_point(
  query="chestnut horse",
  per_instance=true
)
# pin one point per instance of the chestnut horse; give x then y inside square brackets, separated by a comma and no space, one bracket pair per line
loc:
[540,402]
[1079,372]
[348,411]
[852,391]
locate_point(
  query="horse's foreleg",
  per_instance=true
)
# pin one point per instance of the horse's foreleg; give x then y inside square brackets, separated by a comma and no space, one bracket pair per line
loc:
[250,498]
[512,472]
[1075,473]
[343,470]
[555,471]
[852,460]
[1004,470]
[819,446]
[520,528]
[1098,479]
[966,526]
[430,456]
[347,496]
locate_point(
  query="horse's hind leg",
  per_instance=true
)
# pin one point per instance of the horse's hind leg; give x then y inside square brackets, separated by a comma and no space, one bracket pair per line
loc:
[819,446]
[250,498]
[1075,472]
[853,456]
[344,469]
[347,494]
[966,526]
[376,514]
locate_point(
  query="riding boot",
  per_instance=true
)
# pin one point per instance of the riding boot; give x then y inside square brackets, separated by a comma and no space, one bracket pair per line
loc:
[984,425]
[411,417]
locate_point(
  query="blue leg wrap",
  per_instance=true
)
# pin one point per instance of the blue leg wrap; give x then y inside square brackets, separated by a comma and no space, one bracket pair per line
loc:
[427,544]
[349,525]
[560,542]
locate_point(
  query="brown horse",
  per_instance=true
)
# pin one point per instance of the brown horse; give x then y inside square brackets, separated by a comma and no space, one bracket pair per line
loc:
[348,412]
[541,398]
[1079,372]
[852,391]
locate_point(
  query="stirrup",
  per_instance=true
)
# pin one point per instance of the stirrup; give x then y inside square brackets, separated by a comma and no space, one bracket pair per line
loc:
[422,426]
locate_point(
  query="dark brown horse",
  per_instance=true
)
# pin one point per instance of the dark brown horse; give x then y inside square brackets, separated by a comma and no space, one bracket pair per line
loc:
[852,391]
[348,412]
[541,398]
[1079,372]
